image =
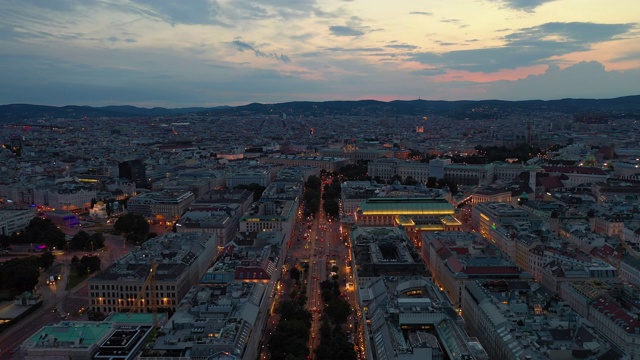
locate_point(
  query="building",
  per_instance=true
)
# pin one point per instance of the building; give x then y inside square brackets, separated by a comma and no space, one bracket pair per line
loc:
[62,218]
[327,163]
[65,196]
[386,168]
[408,318]
[182,259]
[419,213]
[455,258]
[213,319]
[270,216]
[258,176]
[135,171]
[518,320]
[354,154]
[384,251]
[222,221]
[486,217]
[119,337]
[216,197]
[611,319]
[12,221]
[163,206]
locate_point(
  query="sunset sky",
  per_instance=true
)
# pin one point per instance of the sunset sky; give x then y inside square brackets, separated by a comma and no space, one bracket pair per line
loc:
[234,52]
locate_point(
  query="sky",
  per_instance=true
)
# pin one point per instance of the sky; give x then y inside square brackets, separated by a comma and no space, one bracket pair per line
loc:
[232,52]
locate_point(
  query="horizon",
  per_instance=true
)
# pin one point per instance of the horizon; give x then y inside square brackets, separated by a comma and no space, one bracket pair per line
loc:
[206,53]
[315,101]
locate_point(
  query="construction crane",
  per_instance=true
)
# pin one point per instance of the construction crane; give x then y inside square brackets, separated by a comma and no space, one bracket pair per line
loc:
[152,303]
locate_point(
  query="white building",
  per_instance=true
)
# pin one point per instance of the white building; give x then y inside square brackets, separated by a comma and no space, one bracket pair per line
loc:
[12,221]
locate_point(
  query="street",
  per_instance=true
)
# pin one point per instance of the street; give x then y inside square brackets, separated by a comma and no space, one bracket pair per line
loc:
[57,303]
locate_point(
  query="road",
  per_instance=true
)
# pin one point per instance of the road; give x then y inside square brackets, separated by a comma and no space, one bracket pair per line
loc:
[59,303]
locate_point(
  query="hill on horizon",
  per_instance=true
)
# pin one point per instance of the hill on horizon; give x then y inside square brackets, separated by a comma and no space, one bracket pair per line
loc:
[627,106]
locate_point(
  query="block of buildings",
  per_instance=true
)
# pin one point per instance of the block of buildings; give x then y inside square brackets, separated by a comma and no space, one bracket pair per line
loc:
[211,321]
[455,258]
[410,318]
[182,259]
[519,320]
[384,251]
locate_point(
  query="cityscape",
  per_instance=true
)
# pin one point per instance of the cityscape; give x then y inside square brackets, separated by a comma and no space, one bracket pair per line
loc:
[321,180]
[350,233]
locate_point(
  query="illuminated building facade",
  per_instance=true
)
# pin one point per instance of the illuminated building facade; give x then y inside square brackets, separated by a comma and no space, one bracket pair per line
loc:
[182,259]
[416,213]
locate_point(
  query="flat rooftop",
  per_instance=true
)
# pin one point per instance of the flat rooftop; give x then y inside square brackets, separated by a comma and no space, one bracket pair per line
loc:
[69,332]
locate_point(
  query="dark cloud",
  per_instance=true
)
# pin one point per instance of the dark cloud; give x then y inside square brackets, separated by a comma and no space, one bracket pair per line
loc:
[345,31]
[526,47]
[582,80]
[242,46]
[421,13]
[571,32]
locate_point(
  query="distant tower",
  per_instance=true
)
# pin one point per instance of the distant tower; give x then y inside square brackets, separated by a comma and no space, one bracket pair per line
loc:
[135,171]
[528,132]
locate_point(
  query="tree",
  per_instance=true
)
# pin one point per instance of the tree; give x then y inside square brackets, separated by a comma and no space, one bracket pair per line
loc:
[338,310]
[132,223]
[19,275]
[41,231]
[80,241]
[294,274]
[331,208]
[46,259]
[410,181]
[98,240]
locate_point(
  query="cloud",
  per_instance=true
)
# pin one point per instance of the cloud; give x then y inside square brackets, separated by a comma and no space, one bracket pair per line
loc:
[345,31]
[527,47]
[429,72]
[359,49]
[582,80]
[242,46]
[524,5]
[192,12]
[421,13]
[401,46]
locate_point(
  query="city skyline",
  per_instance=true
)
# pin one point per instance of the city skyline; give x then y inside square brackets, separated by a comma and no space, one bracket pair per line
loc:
[208,53]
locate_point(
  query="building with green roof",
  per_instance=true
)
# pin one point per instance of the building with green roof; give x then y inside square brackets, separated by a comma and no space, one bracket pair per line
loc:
[69,340]
[413,213]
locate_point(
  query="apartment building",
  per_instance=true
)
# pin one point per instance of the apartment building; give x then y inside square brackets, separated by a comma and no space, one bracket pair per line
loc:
[181,258]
